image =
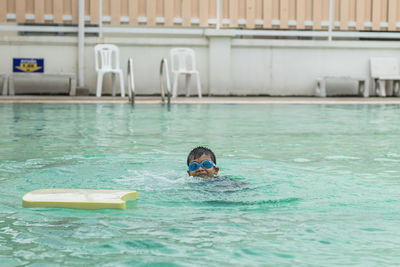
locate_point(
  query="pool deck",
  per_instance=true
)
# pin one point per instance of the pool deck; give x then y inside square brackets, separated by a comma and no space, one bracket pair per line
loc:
[195,100]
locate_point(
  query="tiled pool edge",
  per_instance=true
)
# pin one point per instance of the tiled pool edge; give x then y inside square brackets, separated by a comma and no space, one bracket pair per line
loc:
[195,100]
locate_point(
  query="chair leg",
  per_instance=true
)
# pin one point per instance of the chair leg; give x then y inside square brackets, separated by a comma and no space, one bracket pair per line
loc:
[187,84]
[99,84]
[321,87]
[198,85]
[389,87]
[396,88]
[113,84]
[361,87]
[11,84]
[5,85]
[382,88]
[366,88]
[122,85]
[374,83]
[175,86]
[72,86]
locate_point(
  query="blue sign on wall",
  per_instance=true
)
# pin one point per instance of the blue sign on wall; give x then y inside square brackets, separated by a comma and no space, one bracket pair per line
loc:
[28,65]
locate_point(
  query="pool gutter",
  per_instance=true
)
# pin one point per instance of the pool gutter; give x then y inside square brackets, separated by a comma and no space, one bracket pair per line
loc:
[195,100]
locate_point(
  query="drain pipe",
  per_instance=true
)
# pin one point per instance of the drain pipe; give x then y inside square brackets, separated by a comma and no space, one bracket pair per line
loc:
[101,18]
[218,14]
[330,20]
[81,43]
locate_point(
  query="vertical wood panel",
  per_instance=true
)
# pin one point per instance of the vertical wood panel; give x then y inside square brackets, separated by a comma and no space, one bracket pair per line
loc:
[398,13]
[124,8]
[75,11]
[241,9]
[106,9]
[212,9]
[20,10]
[169,12]
[308,10]
[368,11]
[317,15]
[384,12]
[376,14]
[3,10]
[151,12]
[300,14]
[58,10]
[352,12]
[250,13]
[115,12]
[86,12]
[258,9]
[94,11]
[224,9]
[392,8]
[29,7]
[195,9]
[160,8]
[267,13]
[360,14]
[133,11]
[344,14]
[325,8]
[292,10]
[141,8]
[233,13]
[11,6]
[284,13]
[335,12]
[177,9]
[186,12]
[275,9]
[203,8]
[39,11]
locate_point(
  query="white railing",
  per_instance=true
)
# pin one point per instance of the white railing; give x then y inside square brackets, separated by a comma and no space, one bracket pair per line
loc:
[131,81]
[164,70]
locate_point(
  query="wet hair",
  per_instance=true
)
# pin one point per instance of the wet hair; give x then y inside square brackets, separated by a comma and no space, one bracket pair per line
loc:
[198,152]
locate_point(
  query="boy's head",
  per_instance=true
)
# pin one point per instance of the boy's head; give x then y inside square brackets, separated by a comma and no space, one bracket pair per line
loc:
[201,163]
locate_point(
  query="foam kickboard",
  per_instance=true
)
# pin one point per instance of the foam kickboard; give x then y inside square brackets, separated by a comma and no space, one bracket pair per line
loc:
[78,198]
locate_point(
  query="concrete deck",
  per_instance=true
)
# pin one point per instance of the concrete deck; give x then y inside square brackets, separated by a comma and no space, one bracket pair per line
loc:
[195,100]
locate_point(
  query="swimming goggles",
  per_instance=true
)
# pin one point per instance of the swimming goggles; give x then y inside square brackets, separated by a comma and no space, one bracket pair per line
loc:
[206,164]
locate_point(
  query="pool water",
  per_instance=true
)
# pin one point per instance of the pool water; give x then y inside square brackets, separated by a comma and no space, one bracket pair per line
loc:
[322,184]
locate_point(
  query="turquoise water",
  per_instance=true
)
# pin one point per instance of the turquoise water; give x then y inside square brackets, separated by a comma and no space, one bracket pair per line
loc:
[323,184]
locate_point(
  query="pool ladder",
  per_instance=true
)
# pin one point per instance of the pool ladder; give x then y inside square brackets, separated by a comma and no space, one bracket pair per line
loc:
[163,70]
[131,82]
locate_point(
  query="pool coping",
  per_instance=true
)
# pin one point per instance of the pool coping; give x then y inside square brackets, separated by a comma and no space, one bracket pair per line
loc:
[195,100]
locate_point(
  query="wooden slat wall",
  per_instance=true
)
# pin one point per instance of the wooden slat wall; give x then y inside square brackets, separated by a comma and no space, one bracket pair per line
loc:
[39,11]
[3,11]
[376,15]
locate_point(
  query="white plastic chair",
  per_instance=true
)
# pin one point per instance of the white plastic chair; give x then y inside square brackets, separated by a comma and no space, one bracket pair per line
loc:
[107,61]
[385,70]
[183,62]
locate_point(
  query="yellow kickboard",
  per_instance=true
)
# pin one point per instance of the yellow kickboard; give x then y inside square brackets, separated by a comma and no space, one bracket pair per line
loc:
[89,199]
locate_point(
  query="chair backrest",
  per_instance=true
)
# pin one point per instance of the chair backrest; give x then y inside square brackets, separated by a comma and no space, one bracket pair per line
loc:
[182,59]
[384,66]
[106,57]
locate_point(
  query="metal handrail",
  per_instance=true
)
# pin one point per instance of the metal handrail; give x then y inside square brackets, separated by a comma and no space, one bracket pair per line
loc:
[164,69]
[131,81]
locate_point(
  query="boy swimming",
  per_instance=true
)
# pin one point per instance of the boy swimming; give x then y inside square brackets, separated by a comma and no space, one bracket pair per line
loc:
[201,162]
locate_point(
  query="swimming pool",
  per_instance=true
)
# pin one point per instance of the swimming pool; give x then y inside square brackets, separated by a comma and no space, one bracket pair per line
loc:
[324,183]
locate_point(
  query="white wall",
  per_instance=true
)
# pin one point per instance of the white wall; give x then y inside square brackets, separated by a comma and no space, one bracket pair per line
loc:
[228,66]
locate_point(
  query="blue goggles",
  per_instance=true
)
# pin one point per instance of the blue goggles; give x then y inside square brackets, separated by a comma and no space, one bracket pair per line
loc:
[206,164]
